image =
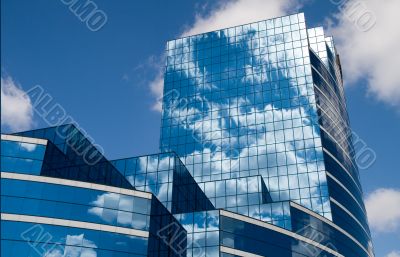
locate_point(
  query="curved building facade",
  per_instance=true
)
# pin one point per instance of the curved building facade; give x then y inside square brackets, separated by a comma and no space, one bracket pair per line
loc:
[266,100]
[43,214]
[257,159]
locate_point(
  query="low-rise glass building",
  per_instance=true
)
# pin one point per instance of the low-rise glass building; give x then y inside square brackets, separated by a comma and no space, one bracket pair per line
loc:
[46,215]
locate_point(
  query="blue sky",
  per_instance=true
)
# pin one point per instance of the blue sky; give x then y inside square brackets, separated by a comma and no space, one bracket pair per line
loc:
[107,80]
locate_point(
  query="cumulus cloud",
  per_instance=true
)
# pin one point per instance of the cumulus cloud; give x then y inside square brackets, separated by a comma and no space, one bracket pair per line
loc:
[393,254]
[383,210]
[232,13]
[16,106]
[156,88]
[227,14]
[367,37]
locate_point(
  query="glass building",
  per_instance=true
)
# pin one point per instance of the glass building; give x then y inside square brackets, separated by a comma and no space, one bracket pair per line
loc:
[256,159]
[265,101]
[72,210]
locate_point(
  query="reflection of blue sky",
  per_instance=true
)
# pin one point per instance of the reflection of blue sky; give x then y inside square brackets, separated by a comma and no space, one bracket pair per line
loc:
[250,98]
[21,157]
[22,149]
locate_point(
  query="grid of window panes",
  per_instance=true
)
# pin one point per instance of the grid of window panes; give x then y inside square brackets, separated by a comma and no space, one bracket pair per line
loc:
[238,192]
[247,196]
[187,196]
[240,102]
[333,107]
[331,101]
[48,160]
[152,173]
[262,241]
[327,235]
[49,200]
[22,157]
[318,43]
[73,142]
[62,202]
[74,203]
[202,232]
[36,240]
[167,236]
[337,139]
[167,178]
[330,44]
[207,231]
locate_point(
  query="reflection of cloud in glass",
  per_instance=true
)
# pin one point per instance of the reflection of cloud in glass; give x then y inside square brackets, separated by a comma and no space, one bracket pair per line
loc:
[28,147]
[111,200]
[103,202]
[118,209]
[159,184]
[75,246]
[240,104]
[202,228]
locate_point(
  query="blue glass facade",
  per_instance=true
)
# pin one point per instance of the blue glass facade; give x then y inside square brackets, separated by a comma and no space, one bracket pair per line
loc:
[43,214]
[265,100]
[240,102]
[167,178]
[256,159]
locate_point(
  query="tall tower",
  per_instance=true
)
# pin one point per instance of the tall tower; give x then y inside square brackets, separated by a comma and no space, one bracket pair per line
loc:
[257,114]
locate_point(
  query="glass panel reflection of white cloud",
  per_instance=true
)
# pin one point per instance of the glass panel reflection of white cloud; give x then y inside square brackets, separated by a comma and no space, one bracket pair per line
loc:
[239,102]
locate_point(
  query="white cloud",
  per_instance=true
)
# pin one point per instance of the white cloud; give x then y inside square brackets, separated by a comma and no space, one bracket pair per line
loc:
[16,106]
[370,52]
[393,254]
[383,210]
[232,13]
[227,14]
[157,87]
